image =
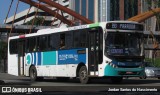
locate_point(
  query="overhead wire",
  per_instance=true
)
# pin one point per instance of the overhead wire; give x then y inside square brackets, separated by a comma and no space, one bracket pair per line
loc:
[8,11]
[14,18]
[27,14]
[34,17]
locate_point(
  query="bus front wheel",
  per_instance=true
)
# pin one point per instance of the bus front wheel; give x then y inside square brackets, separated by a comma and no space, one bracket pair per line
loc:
[83,75]
[33,73]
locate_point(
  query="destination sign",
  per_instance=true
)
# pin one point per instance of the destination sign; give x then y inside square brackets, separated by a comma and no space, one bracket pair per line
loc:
[125,26]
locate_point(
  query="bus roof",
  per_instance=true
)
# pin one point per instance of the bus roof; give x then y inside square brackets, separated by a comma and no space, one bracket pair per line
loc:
[65,28]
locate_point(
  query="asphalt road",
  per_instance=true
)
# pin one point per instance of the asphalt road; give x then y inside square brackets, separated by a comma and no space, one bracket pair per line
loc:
[96,87]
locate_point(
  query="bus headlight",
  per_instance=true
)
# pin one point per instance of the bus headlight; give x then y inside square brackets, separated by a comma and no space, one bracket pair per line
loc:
[111,64]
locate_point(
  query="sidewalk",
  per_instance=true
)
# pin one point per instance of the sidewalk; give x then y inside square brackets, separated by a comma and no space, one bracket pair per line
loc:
[7,78]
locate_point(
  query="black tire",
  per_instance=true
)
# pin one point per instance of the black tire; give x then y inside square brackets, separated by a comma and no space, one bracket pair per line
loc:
[158,77]
[83,75]
[143,77]
[116,79]
[33,73]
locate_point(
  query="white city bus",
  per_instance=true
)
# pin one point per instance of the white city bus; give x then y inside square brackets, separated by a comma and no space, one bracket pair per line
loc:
[107,49]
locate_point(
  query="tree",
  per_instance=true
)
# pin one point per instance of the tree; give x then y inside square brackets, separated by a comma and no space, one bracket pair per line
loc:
[37,21]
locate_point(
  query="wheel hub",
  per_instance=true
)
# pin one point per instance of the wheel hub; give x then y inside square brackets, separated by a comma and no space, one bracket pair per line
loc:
[83,75]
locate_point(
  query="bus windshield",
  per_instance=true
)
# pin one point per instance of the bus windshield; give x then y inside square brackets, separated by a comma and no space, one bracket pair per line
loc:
[123,44]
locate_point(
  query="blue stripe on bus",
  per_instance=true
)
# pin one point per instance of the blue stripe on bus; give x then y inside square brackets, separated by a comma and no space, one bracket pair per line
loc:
[35,58]
[71,57]
[39,58]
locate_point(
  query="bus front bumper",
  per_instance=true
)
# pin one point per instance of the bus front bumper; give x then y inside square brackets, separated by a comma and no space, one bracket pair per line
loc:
[128,72]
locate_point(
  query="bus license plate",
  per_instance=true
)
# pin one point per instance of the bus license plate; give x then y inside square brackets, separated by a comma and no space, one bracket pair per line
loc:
[129,73]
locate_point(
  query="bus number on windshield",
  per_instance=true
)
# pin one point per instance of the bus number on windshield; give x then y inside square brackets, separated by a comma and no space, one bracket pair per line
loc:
[114,26]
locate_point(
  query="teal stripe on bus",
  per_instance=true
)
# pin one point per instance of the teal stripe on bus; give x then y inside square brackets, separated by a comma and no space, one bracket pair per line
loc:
[49,58]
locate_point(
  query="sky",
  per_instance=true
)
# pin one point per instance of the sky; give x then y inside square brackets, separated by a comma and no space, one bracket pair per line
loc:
[4,6]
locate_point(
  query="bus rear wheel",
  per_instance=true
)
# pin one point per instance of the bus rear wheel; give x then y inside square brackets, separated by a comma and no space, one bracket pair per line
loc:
[33,73]
[83,75]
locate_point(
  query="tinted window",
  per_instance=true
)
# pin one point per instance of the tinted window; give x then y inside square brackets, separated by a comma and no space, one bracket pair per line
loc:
[53,41]
[80,38]
[42,43]
[62,41]
[13,47]
[31,44]
[69,40]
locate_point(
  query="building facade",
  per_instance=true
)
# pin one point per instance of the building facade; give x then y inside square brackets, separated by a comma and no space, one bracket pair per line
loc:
[94,10]
[20,17]
[119,9]
[106,10]
[87,8]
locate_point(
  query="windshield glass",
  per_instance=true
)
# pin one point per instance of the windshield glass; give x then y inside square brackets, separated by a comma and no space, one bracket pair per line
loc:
[123,44]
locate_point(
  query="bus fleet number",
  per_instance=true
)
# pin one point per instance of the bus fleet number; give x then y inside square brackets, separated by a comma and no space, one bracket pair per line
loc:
[114,26]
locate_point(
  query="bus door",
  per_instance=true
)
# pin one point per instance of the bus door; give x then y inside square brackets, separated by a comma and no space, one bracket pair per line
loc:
[21,50]
[93,52]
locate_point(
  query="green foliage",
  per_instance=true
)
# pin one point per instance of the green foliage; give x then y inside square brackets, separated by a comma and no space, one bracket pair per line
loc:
[156,61]
[149,2]
[37,21]
[3,50]
[155,2]
[148,60]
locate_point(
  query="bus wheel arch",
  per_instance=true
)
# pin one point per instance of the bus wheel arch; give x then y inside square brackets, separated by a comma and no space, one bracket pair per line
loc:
[30,68]
[33,73]
[78,68]
[82,73]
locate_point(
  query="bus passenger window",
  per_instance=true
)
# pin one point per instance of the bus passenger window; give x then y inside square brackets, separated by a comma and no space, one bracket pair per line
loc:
[54,41]
[69,40]
[62,44]
[62,41]
[31,44]
[48,43]
[13,47]
[43,43]
[80,39]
